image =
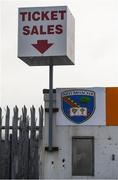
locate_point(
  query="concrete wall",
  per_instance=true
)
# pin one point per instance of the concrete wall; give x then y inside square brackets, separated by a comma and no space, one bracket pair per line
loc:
[106,144]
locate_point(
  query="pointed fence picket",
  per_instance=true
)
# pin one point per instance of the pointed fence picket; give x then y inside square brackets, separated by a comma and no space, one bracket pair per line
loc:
[19,150]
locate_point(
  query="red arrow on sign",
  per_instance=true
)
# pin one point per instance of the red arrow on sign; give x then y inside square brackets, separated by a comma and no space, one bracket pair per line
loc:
[42,45]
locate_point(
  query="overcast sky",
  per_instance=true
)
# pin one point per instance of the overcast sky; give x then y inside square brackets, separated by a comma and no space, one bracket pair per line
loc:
[96,51]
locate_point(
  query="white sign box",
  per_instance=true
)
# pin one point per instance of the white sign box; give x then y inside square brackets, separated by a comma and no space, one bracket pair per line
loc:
[46,36]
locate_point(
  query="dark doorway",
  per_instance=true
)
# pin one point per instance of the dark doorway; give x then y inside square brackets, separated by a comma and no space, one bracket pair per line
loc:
[82,156]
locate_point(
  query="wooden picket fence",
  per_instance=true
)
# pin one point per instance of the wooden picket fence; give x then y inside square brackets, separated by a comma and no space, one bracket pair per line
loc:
[20,144]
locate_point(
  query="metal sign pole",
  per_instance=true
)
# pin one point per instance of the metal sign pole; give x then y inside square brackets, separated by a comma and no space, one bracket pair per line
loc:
[50,106]
[31,50]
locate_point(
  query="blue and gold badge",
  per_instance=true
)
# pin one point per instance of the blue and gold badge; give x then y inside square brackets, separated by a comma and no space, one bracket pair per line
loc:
[78,105]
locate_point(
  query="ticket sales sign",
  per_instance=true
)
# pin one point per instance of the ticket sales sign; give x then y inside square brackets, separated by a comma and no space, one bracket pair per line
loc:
[46,36]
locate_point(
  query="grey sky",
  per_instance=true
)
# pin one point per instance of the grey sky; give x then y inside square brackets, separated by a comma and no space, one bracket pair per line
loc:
[96,51]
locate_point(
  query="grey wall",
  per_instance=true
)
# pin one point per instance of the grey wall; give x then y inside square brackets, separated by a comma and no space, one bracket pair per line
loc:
[105,144]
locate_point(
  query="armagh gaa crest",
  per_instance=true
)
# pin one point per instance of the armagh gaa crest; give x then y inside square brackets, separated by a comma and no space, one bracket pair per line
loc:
[78,105]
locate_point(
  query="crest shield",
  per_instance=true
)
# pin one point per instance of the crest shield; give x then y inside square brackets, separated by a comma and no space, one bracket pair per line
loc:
[78,105]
